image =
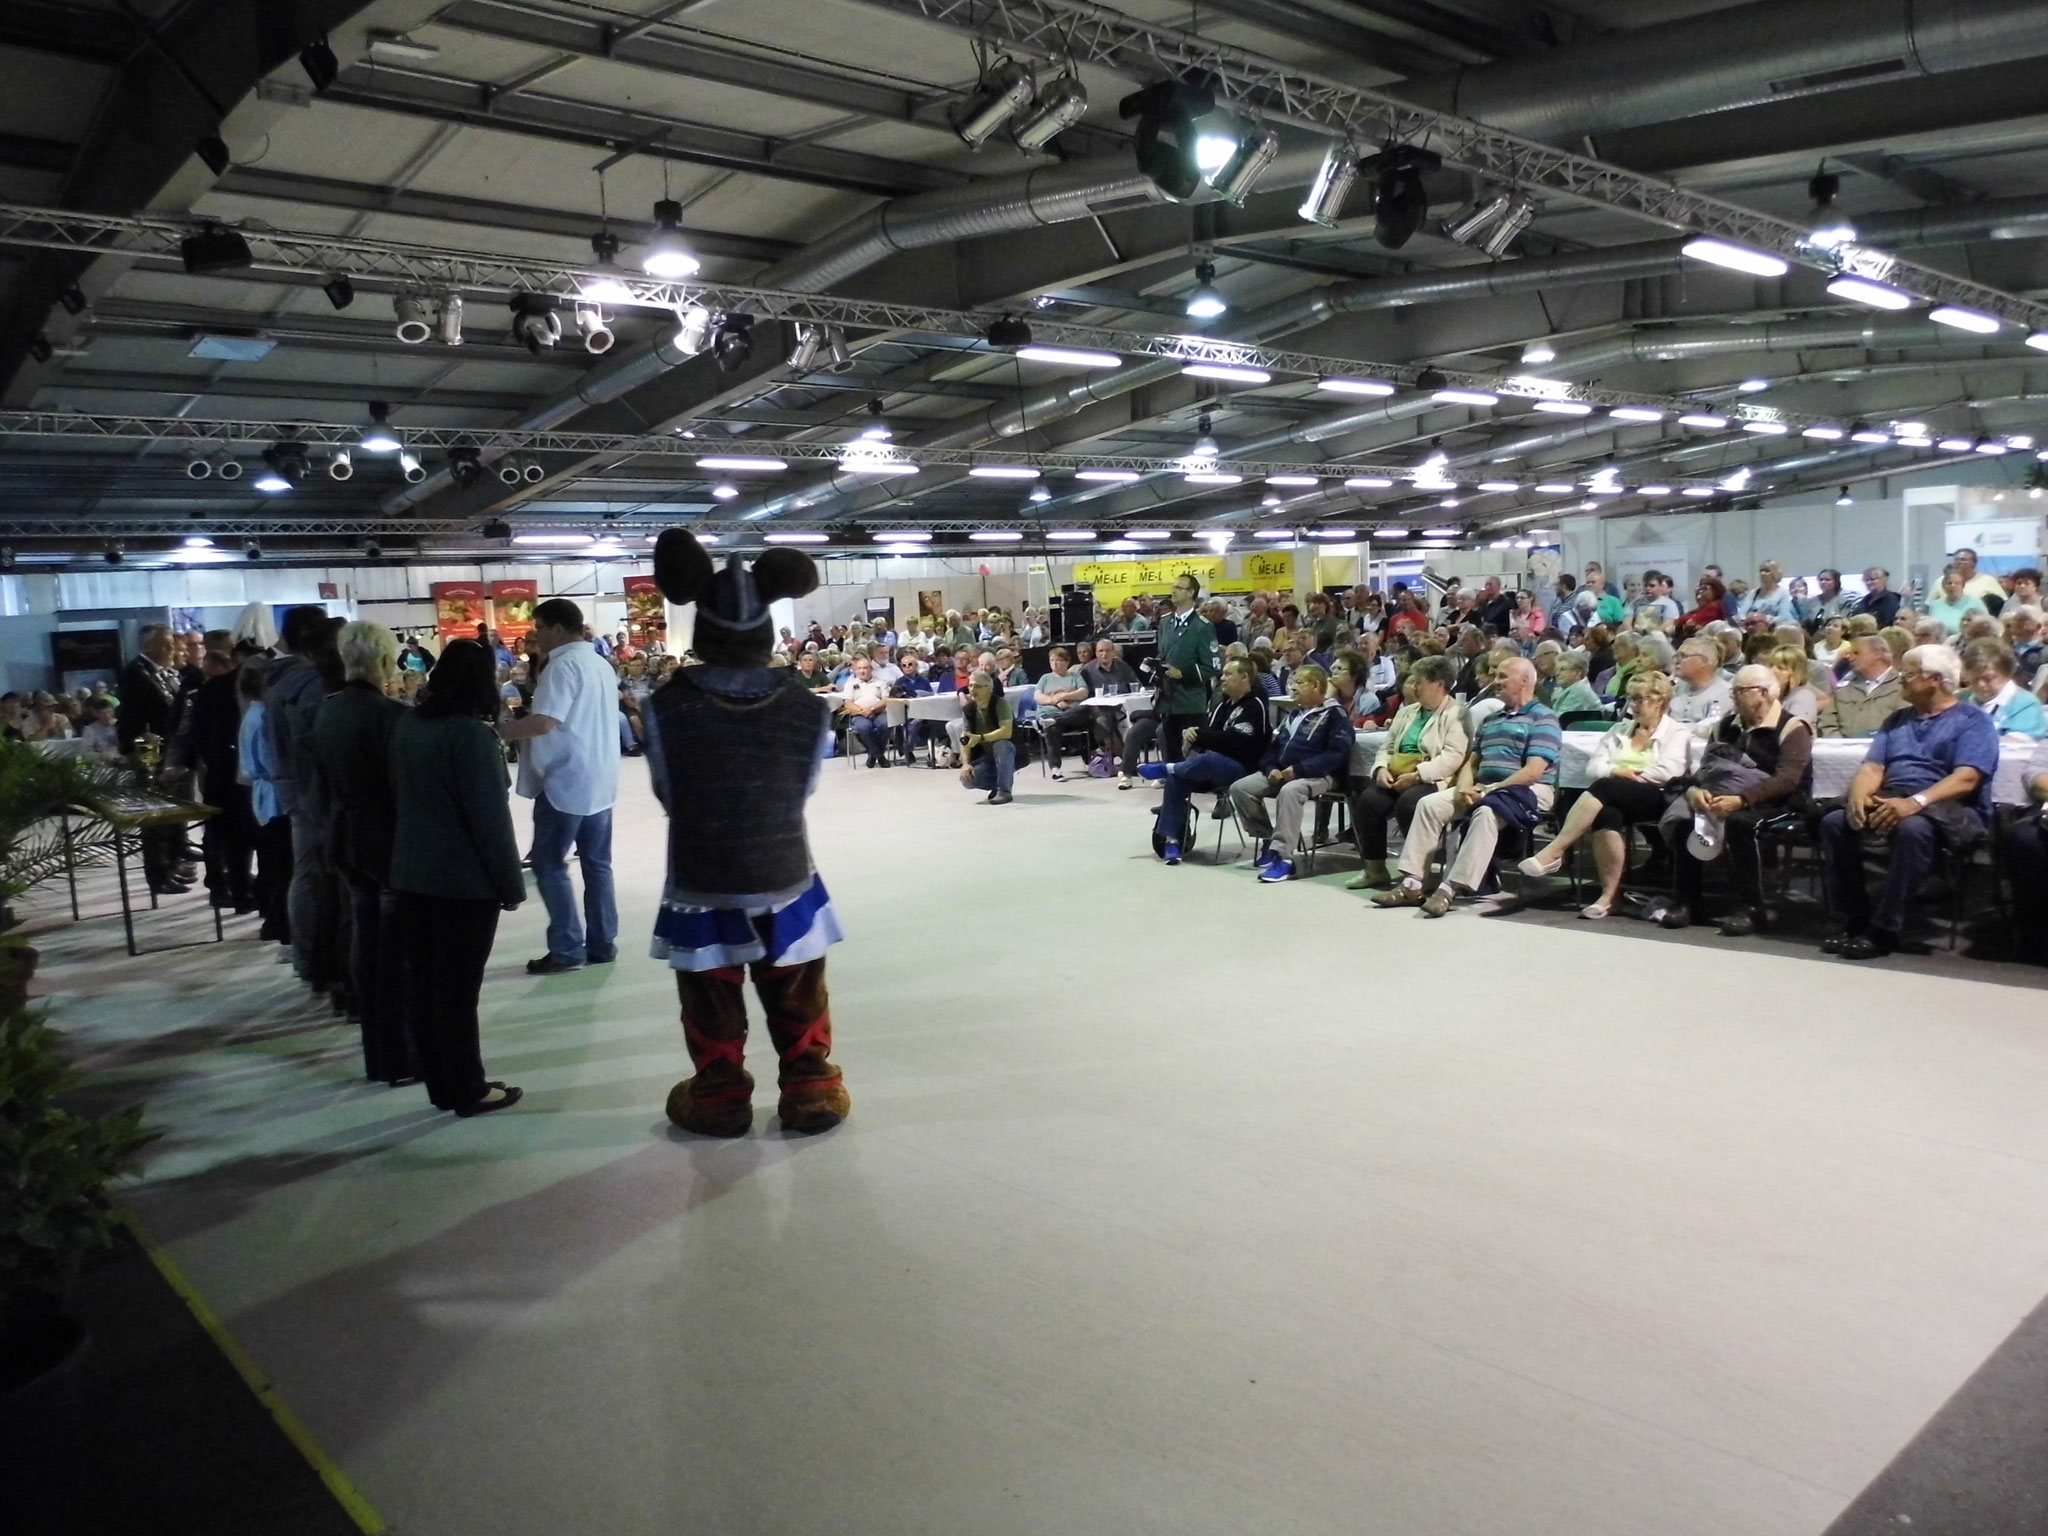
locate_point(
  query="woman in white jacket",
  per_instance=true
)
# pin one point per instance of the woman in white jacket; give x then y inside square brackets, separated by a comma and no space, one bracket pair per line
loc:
[1634,769]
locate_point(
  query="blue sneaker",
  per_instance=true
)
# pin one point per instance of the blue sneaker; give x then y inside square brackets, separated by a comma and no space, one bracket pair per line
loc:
[1171,853]
[1152,772]
[1262,854]
[1276,871]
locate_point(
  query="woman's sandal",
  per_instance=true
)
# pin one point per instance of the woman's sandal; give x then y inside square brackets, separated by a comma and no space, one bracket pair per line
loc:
[484,1105]
[1594,911]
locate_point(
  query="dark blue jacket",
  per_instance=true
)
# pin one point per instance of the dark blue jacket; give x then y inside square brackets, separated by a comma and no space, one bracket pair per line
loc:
[1316,745]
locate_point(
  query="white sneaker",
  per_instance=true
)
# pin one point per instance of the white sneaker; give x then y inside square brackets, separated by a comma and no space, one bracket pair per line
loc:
[1124,781]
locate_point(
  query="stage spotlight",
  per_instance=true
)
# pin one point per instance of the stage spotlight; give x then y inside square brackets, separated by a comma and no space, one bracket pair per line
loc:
[1400,202]
[510,470]
[216,248]
[1003,91]
[73,299]
[842,359]
[1167,136]
[1466,228]
[227,467]
[410,467]
[448,319]
[1518,218]
[1205,301]
[465,465]
[1009,333]
[535,321]
[732,341]
[378,437]
[810,341]
[1060,105]
[1240,174]
[411,313]
[341,465]
[597,336]
[253,550]
[693,330]
[1324,204]
[1831,227]
[533,472]
[496,528]
[373,550]
[198,468]
[339,290]
[321,66]
[112,554]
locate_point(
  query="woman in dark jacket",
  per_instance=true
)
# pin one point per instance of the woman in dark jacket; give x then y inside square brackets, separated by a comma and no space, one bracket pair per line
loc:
[1226,746]
[454,867]
[351,758]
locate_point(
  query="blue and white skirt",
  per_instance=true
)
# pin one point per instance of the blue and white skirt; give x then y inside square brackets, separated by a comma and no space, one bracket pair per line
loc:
[694,938]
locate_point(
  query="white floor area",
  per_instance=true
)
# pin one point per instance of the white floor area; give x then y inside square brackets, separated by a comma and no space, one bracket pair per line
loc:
[1169,1203]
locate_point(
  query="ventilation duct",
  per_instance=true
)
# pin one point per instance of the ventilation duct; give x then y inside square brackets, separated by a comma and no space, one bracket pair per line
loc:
[1678,342]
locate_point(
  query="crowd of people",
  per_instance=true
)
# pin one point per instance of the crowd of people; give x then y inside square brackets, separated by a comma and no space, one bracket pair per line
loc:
[357,783]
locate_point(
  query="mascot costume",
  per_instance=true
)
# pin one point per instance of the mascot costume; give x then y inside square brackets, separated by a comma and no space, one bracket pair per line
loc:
[734,747]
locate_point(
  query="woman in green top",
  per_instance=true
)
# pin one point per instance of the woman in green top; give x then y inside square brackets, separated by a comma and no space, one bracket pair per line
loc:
[1616,685]
[990,753]
[1424,749]
[1574,695]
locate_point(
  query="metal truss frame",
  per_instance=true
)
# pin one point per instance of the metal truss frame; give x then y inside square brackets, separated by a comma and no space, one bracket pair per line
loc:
[1266,89]
[432,269]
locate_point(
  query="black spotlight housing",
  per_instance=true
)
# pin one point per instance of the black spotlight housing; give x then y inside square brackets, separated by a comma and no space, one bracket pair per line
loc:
[1008,333]
[73,299]
[113,553]
[497,528]
[605,246]
[40,349]
[1167,112]
[339,290]
[465,465]
[253,550]
[213,150]
[321,66]
[1400,201]
[216,248]
[732,341]
[1431,378]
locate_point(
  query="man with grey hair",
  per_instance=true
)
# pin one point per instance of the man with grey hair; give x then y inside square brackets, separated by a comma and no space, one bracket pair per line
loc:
[1870,695]
[1925,786]
[1703,694]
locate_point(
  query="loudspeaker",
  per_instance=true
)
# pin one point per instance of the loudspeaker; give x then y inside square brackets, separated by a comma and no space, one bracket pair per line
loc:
[1073,616]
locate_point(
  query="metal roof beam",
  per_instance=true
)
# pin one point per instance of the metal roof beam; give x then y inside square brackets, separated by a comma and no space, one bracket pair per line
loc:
[472,104]
[704,56]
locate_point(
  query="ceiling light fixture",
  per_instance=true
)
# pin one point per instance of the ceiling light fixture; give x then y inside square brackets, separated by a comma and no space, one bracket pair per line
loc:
[1285,480]
[1766,428]
[732,341]
[723,492]
[1563,407]
[1369,483]
[1823,434]
[1465,229]
[1211,477]
[1370,388]
[1556,488]
[1472,397]
[1636,413]
[378,437]
[810,341]
[1227,373]
[411,470]
[668,254]
[1737,258]
[1496,487]
[1070,357]
[1206,301]
[1862,290]
[1844,499]
[1753,386]
[1273,533]
[1107,476]
[1007,333]
[1003,472]
[597,336]
[1071,535]
[1706,421]
[995,536]
[798,538]
[1324,204]
[1324,532]
[740,462]
[1205,445]
[1150,534]
[1973,320]
[410,312]
[216,248]
[1862,434]
[1502,235]
[1239,176]
[1172,148]
[1538,353]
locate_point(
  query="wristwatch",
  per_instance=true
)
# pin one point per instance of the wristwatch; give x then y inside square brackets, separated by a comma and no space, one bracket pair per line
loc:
[1920,800]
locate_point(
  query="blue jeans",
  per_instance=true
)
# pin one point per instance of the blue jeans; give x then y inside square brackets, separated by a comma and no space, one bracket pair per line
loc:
[995,765]
[1205,770]
[574,936]
[872,732]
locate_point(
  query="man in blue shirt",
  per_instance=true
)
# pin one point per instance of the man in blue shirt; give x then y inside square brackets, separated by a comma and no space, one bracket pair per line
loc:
[1925,786]
[1514,773]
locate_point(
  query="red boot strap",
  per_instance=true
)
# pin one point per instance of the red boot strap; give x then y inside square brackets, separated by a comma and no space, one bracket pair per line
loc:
[737,1093]
[817,1036]
[705,1049]
[806,1087]
[736,975]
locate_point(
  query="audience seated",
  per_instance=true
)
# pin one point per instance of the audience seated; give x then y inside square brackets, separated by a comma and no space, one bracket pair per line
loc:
[1758,762]
[1796,694]
[2023,848]
[1426,746]
[867,712]
[1308,753]
[1925,787]
[1869,695]
[1510,779]
[1229,744]
[1634,768]
[1059,696]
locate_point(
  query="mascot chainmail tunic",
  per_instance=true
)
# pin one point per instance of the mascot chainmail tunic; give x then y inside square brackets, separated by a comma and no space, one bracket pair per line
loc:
[734,748]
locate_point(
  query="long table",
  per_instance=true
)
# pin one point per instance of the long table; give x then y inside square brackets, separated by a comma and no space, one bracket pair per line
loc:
[1835,761]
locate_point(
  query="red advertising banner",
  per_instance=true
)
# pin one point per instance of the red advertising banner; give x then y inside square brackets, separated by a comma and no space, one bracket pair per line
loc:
[459,606]
[646,611]
[512,610]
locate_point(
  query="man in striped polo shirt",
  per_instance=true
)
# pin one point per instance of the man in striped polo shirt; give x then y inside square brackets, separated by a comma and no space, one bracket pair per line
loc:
[1514,772]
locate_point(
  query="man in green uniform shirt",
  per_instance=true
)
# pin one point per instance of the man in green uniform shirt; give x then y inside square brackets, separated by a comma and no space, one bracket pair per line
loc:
[1189,662]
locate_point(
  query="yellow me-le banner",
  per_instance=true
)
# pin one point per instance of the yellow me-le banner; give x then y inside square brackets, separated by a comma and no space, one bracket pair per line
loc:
[1115,580]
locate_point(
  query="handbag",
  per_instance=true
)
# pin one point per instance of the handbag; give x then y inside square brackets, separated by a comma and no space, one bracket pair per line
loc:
[1398,763]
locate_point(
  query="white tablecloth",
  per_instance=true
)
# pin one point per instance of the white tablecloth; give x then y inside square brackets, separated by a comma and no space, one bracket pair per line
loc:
[1835,761]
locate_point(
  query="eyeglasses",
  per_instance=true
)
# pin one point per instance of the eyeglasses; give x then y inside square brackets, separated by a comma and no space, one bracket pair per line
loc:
[1751,688]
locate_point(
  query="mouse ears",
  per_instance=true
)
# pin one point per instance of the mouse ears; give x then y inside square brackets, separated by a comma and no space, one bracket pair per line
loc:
[785,572]
[681,567]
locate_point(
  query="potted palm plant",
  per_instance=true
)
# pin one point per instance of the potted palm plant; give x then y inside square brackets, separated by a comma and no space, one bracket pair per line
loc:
[35,846]
[57,1167]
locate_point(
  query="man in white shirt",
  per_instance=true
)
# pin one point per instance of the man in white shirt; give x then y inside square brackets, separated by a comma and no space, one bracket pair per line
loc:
[867,711]
[886,671]
[570,770]
[1705,695]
